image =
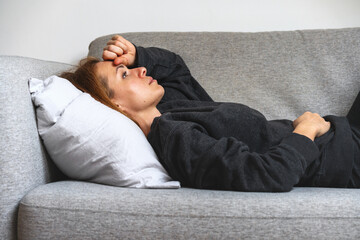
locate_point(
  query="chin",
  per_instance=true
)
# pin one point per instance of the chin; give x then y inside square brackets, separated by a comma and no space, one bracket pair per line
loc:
[161,94]
[161,91]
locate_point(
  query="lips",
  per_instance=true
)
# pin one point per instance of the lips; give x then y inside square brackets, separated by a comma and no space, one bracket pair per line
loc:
[151,80]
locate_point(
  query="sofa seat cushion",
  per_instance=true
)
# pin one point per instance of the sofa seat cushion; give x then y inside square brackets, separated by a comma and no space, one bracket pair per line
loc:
[80,210]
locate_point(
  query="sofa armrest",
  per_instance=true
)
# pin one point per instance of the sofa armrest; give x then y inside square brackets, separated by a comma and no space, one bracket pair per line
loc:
[23,164]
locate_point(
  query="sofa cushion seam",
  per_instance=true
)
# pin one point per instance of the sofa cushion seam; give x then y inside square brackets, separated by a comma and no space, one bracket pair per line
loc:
[186,216]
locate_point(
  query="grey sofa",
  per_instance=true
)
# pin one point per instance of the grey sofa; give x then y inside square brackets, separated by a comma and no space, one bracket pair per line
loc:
[282,74]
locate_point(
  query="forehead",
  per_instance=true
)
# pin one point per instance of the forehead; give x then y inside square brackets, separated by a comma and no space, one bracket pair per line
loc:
[104,67]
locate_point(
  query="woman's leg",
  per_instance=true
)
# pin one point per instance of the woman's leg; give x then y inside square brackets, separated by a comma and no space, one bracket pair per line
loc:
[355,176]
[354,114]
[354,119]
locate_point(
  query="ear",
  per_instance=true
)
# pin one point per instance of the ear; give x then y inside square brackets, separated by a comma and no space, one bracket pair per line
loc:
[121,107]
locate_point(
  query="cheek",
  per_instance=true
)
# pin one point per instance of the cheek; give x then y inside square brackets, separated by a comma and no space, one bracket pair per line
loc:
[126,90]
[138,95]
[134,94]
[136,91]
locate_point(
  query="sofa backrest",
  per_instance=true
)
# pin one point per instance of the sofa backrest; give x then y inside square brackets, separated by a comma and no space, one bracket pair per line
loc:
[282,74]
[23,160]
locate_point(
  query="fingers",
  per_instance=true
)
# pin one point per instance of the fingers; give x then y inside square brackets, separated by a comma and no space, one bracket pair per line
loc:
[107,55]
[118,44]
[312,122]
[120,50]
[121,60]
[115,49]
[120,39]
[306,117]
[110,52]
[325,127]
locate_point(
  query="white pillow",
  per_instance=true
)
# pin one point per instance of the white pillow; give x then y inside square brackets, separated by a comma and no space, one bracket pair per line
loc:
[92,142]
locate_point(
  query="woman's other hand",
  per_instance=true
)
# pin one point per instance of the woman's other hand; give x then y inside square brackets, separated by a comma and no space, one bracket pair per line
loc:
[311,125]
[120,50]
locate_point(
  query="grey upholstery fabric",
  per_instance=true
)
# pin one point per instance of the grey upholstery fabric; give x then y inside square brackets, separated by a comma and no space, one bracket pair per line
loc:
[280,73]
[23,163]
[76,210]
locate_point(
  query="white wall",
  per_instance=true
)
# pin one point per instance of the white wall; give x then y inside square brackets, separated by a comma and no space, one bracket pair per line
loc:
[61,30]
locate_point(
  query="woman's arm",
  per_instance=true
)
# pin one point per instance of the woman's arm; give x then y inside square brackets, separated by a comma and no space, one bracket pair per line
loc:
[166,67]
[198,160]
[172,73]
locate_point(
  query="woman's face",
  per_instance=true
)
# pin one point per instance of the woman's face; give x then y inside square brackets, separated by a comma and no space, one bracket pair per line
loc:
[131,88]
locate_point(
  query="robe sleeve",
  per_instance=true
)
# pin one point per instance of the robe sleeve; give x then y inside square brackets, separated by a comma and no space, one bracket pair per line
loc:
[171,72]
[197,160]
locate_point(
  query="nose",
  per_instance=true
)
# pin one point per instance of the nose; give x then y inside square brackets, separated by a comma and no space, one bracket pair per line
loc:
[141,71]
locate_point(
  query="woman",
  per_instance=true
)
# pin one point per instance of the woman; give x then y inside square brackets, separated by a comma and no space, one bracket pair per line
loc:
[228,146]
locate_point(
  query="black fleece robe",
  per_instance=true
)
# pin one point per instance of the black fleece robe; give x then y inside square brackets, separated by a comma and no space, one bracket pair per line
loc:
[229,146]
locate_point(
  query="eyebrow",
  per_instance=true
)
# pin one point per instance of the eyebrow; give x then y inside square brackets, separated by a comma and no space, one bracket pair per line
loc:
[120,66]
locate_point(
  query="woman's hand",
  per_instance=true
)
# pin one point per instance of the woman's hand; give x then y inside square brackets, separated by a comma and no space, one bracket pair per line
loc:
[120,50]
[311,125]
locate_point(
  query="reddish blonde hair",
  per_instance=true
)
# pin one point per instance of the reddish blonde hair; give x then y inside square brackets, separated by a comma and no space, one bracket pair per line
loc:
[84,78]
